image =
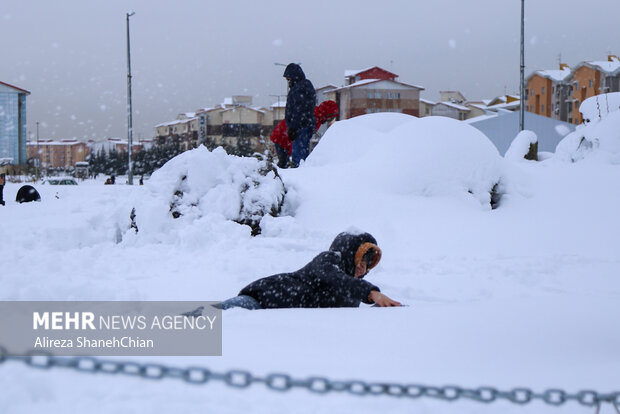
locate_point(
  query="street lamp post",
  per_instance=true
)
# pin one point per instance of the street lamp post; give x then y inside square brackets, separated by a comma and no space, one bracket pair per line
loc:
[38,160]
[522,83]
[129,111]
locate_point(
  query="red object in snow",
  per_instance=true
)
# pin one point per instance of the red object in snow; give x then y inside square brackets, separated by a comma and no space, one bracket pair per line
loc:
[322,113]
[279,135]
[325,112]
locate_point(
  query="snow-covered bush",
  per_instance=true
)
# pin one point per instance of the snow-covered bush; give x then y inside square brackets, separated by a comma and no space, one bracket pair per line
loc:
[598,140]
[203,184]
[524,146]
[598,107]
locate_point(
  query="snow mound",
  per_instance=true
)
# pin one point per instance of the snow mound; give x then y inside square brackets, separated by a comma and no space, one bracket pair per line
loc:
[200,184]
[405,155]
[598,141]
[562,130]
[598,107]
[520,146]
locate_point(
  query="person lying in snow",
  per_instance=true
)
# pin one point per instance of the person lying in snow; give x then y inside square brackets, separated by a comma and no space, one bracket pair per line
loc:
[333,279]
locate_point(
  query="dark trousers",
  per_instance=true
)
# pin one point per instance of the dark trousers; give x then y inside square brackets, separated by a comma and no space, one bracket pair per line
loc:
[282,155]
[241,301]
[1,197]
[301,145]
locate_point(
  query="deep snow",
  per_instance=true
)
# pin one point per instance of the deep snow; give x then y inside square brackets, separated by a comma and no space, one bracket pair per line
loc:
[523,295]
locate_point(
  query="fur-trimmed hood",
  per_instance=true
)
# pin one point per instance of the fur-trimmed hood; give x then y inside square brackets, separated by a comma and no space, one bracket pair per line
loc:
[347,244]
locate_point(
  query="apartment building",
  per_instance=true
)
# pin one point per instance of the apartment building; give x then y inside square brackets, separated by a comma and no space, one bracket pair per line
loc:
[558,93]
[547,93]
[235,124]
[593,78]
[453,104]
[13,124]
[374,90]
[58,154]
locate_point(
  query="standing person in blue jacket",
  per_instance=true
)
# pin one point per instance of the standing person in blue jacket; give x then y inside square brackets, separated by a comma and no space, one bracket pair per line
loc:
[299,114]
[333,279]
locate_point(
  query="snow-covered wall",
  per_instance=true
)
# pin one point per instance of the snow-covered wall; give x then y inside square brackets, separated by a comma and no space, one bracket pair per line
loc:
[502,128]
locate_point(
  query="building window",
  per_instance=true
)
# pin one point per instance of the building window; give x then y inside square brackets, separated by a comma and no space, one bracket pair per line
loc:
[576,84]
[377,95]
[543,108]
[370,95]
[543,90]
[590,83]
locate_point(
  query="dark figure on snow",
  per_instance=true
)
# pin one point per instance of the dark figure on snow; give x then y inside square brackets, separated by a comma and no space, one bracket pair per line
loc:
[326,112]
[299,113]
[2,182]
[110,180]
[333,279]
[26,194]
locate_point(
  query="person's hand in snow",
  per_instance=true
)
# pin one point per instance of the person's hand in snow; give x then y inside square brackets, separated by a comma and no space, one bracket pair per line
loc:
[382,300]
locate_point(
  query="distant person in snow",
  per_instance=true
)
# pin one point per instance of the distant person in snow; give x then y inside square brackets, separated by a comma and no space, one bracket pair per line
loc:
[327,111]
[299,112]
[2,182]
[333,279]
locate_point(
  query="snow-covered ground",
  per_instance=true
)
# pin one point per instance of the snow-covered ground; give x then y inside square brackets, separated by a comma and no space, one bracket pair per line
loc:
[524,295]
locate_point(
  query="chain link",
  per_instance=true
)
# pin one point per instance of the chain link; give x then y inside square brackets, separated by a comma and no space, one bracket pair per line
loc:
[318,385]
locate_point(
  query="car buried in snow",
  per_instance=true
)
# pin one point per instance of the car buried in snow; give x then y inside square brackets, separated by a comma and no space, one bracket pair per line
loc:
[60,181]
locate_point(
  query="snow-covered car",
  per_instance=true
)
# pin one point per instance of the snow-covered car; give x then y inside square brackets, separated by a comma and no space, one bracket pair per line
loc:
[60,181]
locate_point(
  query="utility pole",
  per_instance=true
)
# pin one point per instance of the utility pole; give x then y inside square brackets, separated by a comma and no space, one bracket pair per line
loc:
[278,107]
[522,93]
[38,153]
[129,112]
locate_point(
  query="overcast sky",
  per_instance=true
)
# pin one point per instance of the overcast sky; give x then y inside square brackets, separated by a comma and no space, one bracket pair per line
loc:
[190,54]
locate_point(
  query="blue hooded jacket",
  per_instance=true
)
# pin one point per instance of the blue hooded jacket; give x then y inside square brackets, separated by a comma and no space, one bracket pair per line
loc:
[300,100]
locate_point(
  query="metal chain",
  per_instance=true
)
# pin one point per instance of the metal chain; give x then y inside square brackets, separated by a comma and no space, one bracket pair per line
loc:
[318,385]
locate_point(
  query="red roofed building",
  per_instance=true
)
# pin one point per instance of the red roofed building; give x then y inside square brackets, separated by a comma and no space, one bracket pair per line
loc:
[375,72]
[374,90]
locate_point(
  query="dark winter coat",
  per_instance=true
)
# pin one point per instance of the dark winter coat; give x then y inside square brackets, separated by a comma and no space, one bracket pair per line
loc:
[300,100]
[326,282]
